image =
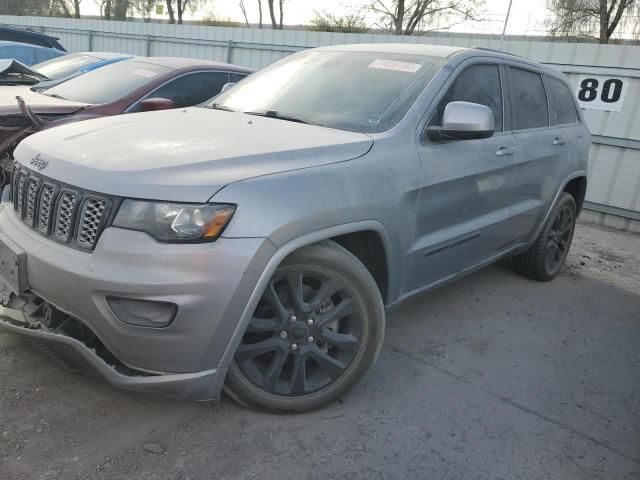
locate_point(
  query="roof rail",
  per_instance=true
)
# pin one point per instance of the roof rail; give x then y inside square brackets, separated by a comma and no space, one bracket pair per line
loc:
[494,50]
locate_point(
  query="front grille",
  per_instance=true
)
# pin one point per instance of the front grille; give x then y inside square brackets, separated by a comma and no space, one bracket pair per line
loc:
[66,214]
[90,221]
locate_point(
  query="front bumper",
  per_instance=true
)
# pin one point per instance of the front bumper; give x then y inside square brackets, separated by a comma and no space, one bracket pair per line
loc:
[210,284]
[205,385]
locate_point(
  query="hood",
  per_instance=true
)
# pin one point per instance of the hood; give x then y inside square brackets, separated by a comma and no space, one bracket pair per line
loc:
[38,102]
[183,155]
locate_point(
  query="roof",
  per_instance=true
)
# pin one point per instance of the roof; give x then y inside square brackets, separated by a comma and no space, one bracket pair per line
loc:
[406,48]
[189,63]
[29,36]
[106,55]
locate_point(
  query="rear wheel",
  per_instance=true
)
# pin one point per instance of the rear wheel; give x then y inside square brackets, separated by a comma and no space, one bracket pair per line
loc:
[316,331]
[545,257]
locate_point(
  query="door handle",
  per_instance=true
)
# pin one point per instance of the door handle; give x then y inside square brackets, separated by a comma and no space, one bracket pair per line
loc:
[558,141]
[502,151]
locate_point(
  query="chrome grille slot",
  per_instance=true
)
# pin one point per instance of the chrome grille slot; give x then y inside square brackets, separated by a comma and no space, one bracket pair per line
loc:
[19,203]
[45,209]
[90,221]
[33,185]
[65,215]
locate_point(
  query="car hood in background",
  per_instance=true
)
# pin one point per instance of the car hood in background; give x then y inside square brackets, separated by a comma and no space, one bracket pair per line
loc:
[38,102]
[184,154]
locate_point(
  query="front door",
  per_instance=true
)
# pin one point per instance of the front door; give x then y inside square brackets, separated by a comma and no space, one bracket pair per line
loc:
[464,203]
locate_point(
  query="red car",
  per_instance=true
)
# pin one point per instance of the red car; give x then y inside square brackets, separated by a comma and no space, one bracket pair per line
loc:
[135,85]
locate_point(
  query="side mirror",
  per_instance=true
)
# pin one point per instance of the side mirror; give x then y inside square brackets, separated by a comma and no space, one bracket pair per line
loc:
[227,86]
[157,103]
[463,121]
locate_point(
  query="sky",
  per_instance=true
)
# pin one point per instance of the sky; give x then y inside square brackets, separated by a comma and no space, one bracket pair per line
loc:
[527,16]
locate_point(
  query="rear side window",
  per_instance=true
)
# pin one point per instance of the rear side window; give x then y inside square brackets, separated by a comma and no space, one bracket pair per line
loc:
[528,100]
[563,110]
[476,84]
[189,90]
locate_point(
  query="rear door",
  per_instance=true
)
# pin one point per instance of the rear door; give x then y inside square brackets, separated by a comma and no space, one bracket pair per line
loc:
[465,192]
[542,148]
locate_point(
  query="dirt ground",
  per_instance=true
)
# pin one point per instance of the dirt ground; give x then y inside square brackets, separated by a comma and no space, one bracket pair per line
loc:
[492,377]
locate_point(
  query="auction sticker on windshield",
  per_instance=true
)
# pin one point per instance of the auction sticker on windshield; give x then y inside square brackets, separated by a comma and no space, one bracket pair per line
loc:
[397,65]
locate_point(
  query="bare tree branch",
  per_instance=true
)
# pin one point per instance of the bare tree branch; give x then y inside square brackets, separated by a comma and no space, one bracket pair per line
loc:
[406,17]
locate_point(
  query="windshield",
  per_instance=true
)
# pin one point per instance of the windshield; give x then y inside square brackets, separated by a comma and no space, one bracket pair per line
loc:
[355,91]
[60,67]
[109,83]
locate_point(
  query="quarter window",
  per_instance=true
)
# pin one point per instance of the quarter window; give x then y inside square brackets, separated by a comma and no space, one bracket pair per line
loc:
[528,100]
[476,84]
[563,109]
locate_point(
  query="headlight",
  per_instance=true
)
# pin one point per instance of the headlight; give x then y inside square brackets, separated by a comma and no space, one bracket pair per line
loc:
[175,222]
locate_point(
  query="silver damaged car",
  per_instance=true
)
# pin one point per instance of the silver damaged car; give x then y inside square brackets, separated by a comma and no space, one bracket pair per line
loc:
[254,243]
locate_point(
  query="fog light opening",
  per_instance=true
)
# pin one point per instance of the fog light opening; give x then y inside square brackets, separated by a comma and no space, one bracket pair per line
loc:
[143,313]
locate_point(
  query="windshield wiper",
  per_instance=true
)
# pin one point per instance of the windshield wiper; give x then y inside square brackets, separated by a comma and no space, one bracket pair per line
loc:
[217,106]
[280,116]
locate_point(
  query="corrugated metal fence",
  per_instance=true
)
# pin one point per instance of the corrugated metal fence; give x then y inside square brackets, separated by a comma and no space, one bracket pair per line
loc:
[606,77]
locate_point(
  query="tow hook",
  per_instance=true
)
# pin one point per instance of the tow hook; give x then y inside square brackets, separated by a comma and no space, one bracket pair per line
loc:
[51,317]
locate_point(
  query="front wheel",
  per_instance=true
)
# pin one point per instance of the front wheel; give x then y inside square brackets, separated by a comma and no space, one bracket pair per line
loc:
[545,257]
[316,331]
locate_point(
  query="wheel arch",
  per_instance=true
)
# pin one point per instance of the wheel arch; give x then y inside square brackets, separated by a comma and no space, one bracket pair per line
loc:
[577,188]
[338,233]
[576,175]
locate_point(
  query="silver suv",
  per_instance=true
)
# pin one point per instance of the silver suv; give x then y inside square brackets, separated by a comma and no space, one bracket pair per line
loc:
[256,241]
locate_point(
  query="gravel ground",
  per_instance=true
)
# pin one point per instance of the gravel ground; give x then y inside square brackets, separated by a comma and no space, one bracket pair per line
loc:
[492,377]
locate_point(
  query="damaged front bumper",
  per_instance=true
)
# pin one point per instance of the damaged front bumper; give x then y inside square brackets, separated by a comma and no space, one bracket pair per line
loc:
[151,317]
[73,344]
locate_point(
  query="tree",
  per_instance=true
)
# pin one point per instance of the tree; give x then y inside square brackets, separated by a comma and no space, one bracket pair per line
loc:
[260,13]
[272,13]
[589,18]
[69,7]
[406,17]
[179,6]
[328,22]
[142,8]
[120,8]
[244,13]
[41,8]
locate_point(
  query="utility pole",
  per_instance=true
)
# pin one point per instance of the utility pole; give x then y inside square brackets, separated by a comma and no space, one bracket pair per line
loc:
[506,21]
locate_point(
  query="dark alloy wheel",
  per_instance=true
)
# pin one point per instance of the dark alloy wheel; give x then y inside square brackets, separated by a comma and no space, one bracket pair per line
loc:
[559,238]
[310,334]
[545,257]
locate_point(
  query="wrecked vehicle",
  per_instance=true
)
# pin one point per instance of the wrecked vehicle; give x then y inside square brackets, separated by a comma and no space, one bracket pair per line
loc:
[256,241]
[132,85]
[28,54]
[57,70]
[21,35]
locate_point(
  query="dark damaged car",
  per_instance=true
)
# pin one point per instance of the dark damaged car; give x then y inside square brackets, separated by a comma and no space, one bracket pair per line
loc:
[135,85]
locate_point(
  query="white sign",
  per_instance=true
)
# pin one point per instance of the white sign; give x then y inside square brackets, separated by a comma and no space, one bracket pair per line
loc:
[598,92]
[395,65]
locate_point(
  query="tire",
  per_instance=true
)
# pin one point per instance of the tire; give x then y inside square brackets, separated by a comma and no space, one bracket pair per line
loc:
[553,243]
[331,311]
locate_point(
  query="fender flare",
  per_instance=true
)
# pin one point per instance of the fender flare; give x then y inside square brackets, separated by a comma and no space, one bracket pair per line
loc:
[568,178]
[281,253]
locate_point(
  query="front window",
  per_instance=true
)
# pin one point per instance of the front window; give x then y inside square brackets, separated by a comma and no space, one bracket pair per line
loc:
[355,91]
[61,67]
[109,83]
